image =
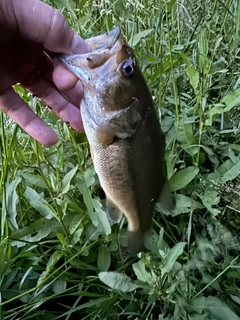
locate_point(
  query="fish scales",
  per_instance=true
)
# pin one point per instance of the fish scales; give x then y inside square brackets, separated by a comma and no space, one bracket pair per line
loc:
[123,130]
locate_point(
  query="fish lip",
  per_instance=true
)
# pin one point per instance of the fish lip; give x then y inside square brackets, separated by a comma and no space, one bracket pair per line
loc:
[105,40]
[104,45]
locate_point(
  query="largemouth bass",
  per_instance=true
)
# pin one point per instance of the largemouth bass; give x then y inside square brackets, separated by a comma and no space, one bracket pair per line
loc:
[123,130]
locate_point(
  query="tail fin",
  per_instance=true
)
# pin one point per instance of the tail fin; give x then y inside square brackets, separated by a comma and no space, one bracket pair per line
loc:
[166,200]
[136,243]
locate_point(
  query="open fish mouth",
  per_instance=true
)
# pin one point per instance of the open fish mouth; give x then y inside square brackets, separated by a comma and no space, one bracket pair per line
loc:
[90,65]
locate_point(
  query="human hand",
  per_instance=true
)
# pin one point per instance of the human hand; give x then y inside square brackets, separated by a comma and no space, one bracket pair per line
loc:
[31,32]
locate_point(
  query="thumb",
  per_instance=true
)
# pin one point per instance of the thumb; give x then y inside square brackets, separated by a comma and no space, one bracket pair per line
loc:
[43,24]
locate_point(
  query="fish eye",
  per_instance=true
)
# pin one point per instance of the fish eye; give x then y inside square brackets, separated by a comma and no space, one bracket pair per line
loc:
[128,68]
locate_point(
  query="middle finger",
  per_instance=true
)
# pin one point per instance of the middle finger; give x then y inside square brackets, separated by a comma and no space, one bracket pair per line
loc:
[47,92]
[63,79]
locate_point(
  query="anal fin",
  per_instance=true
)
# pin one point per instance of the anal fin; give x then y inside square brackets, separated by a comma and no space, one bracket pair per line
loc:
[113,212]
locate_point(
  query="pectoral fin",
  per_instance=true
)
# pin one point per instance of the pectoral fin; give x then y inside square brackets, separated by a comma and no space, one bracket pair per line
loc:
[113,213]
[124,122]
[105,135]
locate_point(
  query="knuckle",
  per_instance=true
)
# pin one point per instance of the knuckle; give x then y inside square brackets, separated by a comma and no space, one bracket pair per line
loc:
[58,22]
[57,36]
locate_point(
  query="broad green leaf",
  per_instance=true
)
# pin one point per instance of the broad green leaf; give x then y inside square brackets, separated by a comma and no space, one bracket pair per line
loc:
[184,204]
[26,232]
[203,51]
[25,277]
[151,241]
[172,257]
[224,168]
[113,246]
[141,272]
[185,135]
[235,146]
[182,178]
[192,72]
[192,150]
[221,171]
[207,150]
[211,198]
[214,307]
[162,244]
[67,179]
[54,258]
[166,123]
[236,299]
[74,204]
[170,136]
[89,176]
[37,231]
[39,203]
[77,235]
[92,233]
[232,156]
[213,112]
[113,241]
[226,104]
[12,201]
[231,100]
[77,219]
[138,36]
[188,129]
[94,207]
[59,286]
[34,179]
[180,132]
[117,281]
[61,238]
[104,258]
[104,224]
[193,76]
[11,277]
[81,185]
[231,174]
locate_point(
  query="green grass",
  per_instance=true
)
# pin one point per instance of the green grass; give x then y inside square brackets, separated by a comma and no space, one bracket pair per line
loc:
[59,259]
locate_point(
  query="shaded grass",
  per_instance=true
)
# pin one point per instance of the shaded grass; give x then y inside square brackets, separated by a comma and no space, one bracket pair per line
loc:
[55,238]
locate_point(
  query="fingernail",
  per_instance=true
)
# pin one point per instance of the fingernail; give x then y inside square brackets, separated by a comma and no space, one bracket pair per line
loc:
[79,45]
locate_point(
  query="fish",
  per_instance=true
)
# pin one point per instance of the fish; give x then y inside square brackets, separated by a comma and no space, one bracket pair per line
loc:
[123,129]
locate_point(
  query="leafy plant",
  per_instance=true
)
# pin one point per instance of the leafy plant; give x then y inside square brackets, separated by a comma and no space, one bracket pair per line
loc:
[59,256]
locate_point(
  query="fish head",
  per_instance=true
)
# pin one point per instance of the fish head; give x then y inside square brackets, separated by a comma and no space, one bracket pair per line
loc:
[109,72]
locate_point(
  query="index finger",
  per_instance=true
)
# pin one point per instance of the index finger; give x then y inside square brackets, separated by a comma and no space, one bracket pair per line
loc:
[17,109]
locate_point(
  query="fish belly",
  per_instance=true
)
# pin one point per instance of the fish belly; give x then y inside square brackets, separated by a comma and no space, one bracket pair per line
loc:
[131,173]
